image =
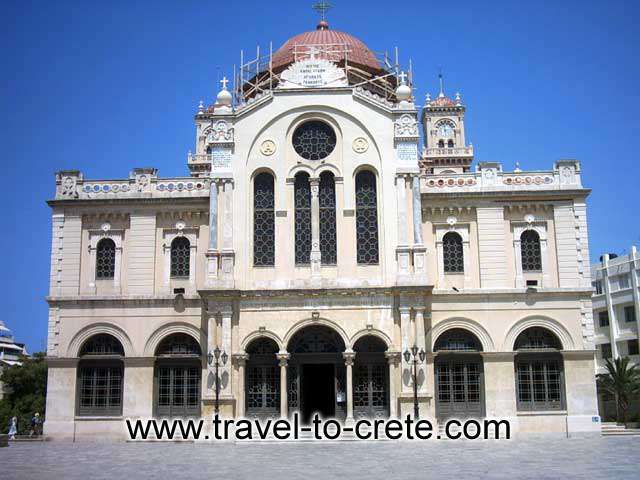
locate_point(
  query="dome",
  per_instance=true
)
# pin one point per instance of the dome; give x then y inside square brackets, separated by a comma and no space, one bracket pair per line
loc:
[356,51]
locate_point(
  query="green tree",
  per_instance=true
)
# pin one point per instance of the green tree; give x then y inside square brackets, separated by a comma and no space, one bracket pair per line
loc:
[622,381]
[27,387]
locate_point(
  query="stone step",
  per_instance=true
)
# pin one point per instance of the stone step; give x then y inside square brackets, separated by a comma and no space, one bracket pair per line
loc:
[628,433]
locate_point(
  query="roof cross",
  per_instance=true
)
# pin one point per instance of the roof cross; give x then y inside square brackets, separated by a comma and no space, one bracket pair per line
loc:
[224,82]
[402,77]
[322,7]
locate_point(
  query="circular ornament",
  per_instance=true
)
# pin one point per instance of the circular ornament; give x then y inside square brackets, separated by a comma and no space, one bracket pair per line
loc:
[360,145]
[529,218]
[268,147]
[105,227]
[452,220]
[180,225]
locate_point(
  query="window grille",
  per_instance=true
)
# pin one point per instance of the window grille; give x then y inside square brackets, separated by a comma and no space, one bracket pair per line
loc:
[539,382]
[180,257]
[457,339]
[316,339]
[178,344]
[302,196]
[100,378]
[530,250]
[536,338]
[366,218]
[263,220]
[314,140]
[328,237]
[452,252]
[105,259]
[178,390]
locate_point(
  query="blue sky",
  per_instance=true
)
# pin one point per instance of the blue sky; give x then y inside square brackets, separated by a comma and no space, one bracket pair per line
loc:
[107,86]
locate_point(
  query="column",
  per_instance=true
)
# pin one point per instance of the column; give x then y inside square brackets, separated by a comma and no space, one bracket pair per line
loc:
[613,323]
[225,346]
[421,344]
[241,361]
[349,357]
[517,253]
[316,259]
[227,254]
[419,250]
[208,383]
[545,261]
[402,250]
[405,325]
[212,249]
[392,359]
[283,359]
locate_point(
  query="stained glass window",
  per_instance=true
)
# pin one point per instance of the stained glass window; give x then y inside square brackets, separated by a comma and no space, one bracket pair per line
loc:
[452,253]
[366,218]
[180,257]
[530,249]
[105,259]
[263,220]
[302,197]
[314,140]
[328,237]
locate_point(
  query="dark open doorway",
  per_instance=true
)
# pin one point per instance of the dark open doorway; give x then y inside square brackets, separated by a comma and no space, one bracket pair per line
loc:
[318,391]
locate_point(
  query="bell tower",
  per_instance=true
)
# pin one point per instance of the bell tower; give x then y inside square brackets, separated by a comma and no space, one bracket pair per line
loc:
[445,147]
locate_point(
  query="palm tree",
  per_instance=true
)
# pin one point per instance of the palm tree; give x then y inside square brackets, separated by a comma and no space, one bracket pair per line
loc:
[622,381]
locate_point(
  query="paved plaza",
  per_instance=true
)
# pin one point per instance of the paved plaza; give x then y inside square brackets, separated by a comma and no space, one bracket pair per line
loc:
[556,458]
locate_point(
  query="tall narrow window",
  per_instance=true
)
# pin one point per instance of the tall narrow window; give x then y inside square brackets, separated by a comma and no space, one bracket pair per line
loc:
[180,257]
[302,196]
[105,259]
[263,220]
[452,252]
[366,218]
[327,198]
[530,250]
[100,373]
[450,144]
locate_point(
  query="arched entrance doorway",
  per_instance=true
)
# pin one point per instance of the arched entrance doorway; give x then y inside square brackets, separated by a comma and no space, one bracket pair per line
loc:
[262,379]
[316,373]
[459,375]
[370,379]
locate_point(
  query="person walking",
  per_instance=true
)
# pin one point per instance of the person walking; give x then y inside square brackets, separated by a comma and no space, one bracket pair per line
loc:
[13,428]
[35,425]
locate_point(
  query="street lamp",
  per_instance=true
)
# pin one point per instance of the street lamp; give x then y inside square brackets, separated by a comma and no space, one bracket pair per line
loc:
[407,357]
[214,359]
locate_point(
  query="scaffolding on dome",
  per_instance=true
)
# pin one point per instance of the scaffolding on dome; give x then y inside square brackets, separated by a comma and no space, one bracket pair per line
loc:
[258,75]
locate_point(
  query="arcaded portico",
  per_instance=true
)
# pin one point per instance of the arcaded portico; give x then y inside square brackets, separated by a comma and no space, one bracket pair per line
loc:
[327,226]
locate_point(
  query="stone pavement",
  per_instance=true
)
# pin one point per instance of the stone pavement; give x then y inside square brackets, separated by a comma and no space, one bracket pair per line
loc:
[540,458]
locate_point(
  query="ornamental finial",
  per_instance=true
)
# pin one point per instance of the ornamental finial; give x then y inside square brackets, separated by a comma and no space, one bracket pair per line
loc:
[322,7]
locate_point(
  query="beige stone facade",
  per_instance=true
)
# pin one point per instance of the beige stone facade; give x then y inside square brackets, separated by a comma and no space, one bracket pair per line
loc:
[234,279]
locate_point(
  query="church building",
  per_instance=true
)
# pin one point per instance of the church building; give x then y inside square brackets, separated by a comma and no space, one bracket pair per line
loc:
[328,234]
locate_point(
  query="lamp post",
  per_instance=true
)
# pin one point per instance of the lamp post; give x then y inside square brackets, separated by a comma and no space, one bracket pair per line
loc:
[415,355]
[214,359]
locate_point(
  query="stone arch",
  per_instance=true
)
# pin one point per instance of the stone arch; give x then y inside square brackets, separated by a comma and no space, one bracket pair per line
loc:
[550,324]
[84,334]
[262,333]
[260,170]
[300,168]
[374,333]
[177,327]
[297,327]
[466,324]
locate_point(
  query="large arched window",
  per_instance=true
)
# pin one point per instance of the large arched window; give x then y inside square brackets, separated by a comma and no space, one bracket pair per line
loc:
[105,259]
[530,251]
[262,379]
[452,252]
[458,375]
[366,218]
[328,239]
[263,220]
[302,198]
[539,370]
[178,372]
[100,373]
[180,257]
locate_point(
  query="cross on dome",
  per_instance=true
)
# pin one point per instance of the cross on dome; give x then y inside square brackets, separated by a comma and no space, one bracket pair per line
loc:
[322,7]
[402,77]
[224,82]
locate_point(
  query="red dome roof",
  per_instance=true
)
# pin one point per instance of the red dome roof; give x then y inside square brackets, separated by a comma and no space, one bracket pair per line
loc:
[342,45]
